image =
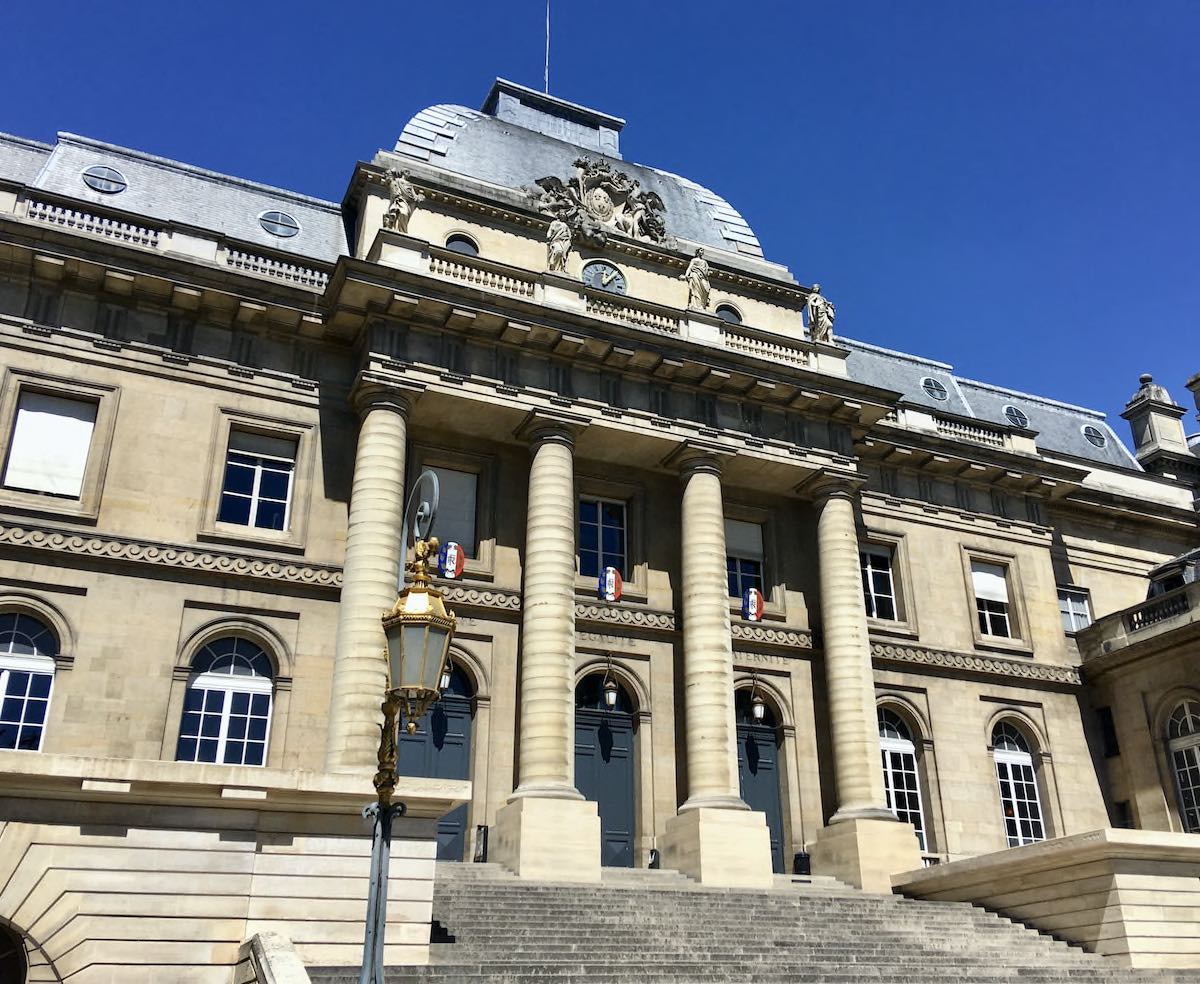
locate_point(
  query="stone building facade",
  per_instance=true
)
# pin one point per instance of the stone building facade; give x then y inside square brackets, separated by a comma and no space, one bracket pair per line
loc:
[217,396]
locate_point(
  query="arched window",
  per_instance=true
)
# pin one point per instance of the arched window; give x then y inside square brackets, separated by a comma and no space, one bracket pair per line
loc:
[901,780]
[27,651]
[462,244]
[13,967]
[1183,743]
[227,707]
[1019,798]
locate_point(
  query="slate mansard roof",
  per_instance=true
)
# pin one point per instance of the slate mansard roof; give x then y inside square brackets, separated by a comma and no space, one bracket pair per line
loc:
[520,135]
[169,191]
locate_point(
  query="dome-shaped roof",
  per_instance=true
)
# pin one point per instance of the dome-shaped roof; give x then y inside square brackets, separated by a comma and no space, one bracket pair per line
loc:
[523,135]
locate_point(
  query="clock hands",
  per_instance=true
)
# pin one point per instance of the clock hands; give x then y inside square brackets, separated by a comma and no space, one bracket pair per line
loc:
[607,278]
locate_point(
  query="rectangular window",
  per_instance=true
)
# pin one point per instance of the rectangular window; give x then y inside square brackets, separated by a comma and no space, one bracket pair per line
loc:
[879,589]
[743,556]
[902,785]
[991,599]
[602,540]
[24,699]
[457,494]
[1019,799]
[257,488]
[1075,609]
[49,449]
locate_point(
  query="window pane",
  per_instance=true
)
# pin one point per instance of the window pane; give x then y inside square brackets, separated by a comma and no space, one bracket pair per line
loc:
[743,539]
[257,445]
[234,509]
[50,442]
[589,563]
[613,514]
[275,485]
[457,491]
[989,582]
[588,511]
[238,478]
[271,515]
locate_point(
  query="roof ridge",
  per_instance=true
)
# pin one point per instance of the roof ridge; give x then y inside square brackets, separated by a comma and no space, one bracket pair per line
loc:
[25,141]
[908,356]
[1049,401]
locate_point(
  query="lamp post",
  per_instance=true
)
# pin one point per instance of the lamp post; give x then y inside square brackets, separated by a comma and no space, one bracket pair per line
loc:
[418,630]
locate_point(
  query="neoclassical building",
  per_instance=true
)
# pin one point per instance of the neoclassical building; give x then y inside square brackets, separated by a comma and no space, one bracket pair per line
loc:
[870,615]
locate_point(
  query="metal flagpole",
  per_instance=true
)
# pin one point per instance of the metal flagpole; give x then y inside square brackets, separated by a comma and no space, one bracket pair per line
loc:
[547,75]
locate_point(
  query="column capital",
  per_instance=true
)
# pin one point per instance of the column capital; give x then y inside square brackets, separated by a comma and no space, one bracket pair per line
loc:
[694,456]
[829,483]
[551,425]
[372,391]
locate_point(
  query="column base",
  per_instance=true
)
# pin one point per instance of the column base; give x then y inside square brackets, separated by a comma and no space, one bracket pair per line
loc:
[548,839]
[725,848]
[866,853]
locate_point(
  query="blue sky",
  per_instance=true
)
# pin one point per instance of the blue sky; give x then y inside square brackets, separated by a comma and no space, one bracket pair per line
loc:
[1008,187]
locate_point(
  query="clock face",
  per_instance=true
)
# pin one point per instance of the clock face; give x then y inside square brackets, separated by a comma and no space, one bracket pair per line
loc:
[604,276]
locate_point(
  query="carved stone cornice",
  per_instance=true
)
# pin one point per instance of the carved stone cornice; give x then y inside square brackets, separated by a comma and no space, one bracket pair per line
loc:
[771,635]
[634,618]
[98,547]
[971,663]
[467,596]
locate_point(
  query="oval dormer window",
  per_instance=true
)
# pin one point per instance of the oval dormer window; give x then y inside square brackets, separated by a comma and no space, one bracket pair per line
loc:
[934,388]
[104,179]
[279,224]
[1016,417]
[462,244]
[729,314]
[1095,435]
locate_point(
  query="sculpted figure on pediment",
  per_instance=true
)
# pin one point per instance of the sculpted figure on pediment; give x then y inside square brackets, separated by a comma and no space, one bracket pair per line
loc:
[596,200]
[820,316]
[558,246]
[404,199]
[698,284]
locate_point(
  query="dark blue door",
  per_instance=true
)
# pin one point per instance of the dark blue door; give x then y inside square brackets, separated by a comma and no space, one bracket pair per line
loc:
[758,769]
[604,741]
[441,749]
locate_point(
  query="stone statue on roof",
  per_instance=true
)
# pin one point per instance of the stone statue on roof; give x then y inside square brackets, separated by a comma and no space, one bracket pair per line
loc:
[697,277]
[558,246]
[404,199]
[820,316]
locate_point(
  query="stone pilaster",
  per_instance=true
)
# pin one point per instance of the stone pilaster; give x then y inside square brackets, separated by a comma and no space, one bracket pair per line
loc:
[369,578]
[714,839]
[547,830]
[864,843]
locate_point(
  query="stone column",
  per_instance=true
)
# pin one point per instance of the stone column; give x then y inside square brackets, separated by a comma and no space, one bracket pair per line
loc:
[714,839]
[370,574]
[547,831]
[710,728]
[864,843]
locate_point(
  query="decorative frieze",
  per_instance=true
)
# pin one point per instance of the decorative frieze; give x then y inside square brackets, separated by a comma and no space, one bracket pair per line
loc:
[638,618]
[970,663]
[170,555]
[769,635]
[464,596]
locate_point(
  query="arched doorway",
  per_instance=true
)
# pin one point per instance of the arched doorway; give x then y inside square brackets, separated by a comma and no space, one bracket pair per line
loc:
[759,767]
[604,764]
[441,749]
[12,957]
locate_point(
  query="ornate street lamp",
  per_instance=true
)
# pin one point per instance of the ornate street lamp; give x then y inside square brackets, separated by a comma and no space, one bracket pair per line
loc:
[418,630]
[758,706]
[610,685]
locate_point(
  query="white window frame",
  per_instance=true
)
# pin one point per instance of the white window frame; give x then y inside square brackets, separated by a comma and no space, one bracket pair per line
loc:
[259,468]
[899,757]
[1006,762]
[1070,599]
[870,595]
[292,538]
[40,663]
[227,684]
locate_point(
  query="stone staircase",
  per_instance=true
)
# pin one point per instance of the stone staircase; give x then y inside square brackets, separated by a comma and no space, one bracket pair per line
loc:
[660,927]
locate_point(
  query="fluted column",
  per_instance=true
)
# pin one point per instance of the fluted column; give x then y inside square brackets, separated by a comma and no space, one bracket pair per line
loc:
[546,756]
[369,579]
[848,678]
[709,727]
